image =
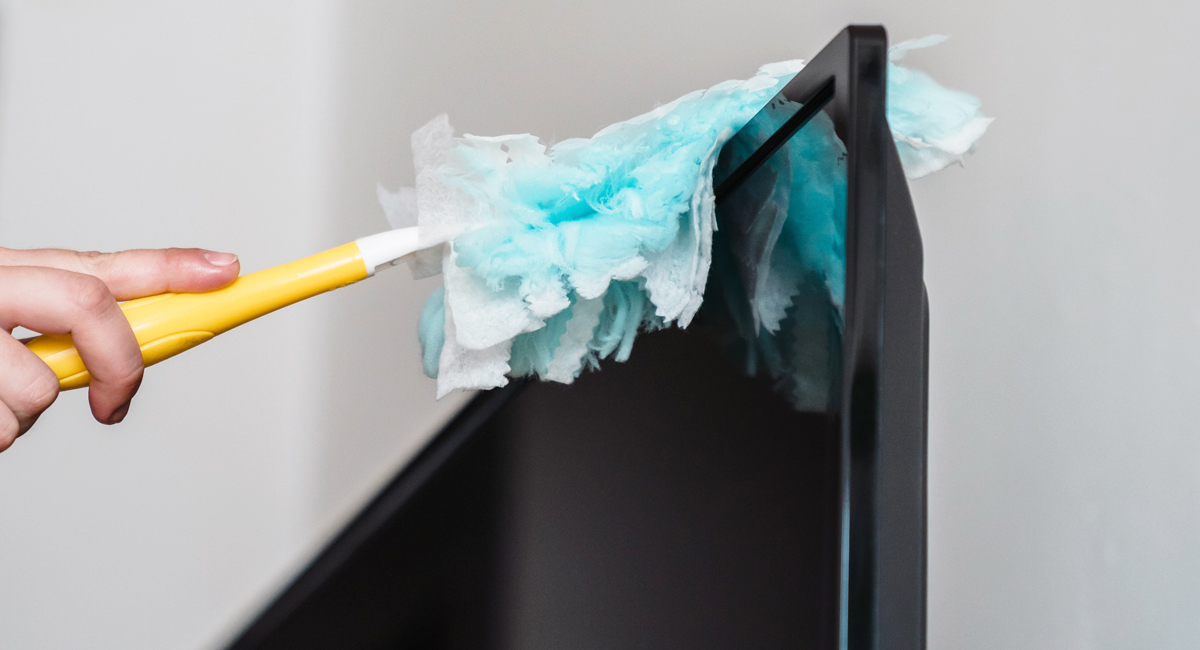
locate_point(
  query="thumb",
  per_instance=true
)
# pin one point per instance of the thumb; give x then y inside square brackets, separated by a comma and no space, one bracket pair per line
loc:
[136,273]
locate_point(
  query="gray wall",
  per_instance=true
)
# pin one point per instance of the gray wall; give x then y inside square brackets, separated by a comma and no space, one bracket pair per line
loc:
[1060,265]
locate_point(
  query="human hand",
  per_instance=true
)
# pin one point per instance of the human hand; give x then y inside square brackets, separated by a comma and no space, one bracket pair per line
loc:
[55,291]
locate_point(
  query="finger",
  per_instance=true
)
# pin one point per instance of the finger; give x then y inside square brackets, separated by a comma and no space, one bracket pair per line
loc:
[54,301]
[27,386]
[137,273]
[8,428]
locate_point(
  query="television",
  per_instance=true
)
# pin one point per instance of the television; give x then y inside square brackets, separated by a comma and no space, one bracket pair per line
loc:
[677,501]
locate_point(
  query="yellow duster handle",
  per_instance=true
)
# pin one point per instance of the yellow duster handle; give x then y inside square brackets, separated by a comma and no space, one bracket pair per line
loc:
[170,323]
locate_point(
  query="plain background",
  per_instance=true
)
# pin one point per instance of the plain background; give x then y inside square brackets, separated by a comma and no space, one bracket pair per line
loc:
[1065,365]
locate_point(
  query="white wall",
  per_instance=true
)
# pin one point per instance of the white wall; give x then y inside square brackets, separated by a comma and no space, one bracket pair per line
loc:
[213,124]
[1066,323]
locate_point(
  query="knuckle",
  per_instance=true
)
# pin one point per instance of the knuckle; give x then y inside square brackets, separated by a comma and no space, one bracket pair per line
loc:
[174,261]
[9,430]
[172,256]
[94,262]
[89,294]
[40,393]
[127,377]
[131,378]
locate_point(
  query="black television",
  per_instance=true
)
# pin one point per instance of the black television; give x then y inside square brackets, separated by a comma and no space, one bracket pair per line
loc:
[673,501]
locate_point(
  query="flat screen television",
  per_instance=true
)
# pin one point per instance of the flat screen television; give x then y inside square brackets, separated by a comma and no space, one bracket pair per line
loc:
[674,501]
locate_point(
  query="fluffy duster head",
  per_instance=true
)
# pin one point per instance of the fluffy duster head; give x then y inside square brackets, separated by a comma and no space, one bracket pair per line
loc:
[561,255]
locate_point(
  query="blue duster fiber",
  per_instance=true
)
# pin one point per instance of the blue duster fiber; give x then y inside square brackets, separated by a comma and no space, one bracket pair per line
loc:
[560,256]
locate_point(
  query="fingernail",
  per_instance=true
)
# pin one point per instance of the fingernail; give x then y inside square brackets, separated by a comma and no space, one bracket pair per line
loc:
[220,259]
[119,414]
